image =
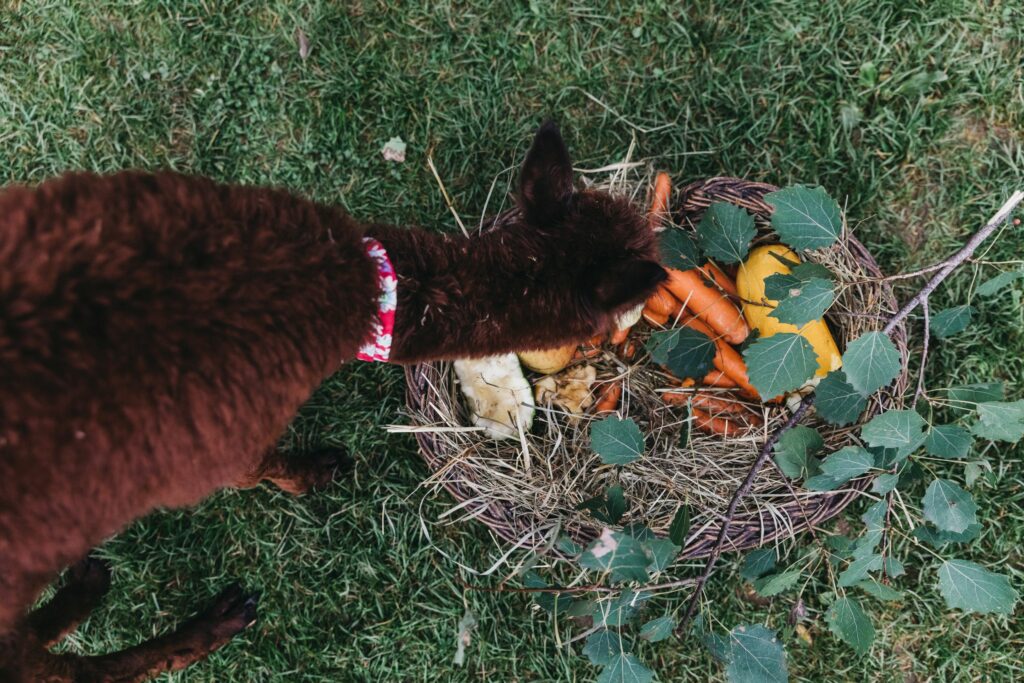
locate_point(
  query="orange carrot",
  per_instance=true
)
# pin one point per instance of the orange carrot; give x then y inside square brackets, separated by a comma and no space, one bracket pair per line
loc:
[660,199]
[716,425]
[725,408]
[708,304]
[717,378]
[609,397]
[655,319]
[727,284]
[620,336]
[662,302]
[596,340]
[676,397]
[628,350]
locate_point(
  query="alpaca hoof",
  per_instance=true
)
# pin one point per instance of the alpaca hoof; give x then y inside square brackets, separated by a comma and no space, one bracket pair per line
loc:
[90,574]
[232,611]
[325,465]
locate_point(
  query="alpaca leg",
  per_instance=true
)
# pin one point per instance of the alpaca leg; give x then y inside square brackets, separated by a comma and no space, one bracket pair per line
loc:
[231,612]
[298,473]
[87,582]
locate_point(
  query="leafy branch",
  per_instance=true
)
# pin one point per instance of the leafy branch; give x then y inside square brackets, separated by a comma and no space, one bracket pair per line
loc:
[941,271]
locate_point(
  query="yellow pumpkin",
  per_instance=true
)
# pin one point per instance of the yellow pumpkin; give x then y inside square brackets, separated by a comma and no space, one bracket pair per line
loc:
[759,265]
[548,361]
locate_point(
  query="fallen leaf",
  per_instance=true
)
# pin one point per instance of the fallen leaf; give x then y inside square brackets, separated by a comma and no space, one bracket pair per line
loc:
[303,41]
[798,613]
[464,637]
[803,634]
[394,150]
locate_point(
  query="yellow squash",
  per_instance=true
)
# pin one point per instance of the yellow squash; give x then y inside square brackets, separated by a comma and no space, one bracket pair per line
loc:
[750,284]
[548,361]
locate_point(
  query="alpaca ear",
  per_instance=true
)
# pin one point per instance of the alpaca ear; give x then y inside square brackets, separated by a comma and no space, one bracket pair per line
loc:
[545,182]
[627,281]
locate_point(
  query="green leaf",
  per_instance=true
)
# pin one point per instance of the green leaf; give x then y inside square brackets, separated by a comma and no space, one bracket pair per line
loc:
[880,590]
[717,645]
[780,363]
[619,553]
[549,602]
[795,449]
[847,620]
[902,430]
[805,303]
[972,588]
[836,401]
[892,567]
[950,321]
[948,506]
[581,608]
[568,546]
[661,552]
[871,362]
[822,482]
[874,516]
[804,217]
[777,286]
[884,483]
[772,585]
[755,656]
[858,570]
[619,610]
[618,441]
[685,352]
[999,283]
[1001,421]
[680,526]
[757,563]
[658,629]
[679,250]
[847,463]
[616,504]
[725,231]
[949,441]
[603,645]
[938,538]
[625,669]
[976,393]
[639,531]
[809,269]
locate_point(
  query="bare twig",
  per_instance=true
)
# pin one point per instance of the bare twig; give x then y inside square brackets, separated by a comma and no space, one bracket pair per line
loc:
[924,352]
[590,588]
[942,272]
[730,512]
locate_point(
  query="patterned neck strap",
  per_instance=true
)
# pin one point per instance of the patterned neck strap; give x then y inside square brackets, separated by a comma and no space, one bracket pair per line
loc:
[379,346]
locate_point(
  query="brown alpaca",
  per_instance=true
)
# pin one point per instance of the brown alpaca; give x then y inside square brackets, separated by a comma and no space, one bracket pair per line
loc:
[158,333]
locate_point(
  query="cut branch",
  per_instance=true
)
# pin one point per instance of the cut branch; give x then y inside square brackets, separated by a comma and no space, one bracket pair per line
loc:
[942,271]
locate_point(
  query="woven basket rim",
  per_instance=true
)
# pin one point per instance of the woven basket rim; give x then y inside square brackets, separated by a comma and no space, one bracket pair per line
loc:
[747,530]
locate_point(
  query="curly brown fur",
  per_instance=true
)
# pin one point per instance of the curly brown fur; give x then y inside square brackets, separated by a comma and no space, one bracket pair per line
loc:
[158,332]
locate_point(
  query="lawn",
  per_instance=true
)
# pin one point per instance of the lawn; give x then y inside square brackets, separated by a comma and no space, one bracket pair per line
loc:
[911,112]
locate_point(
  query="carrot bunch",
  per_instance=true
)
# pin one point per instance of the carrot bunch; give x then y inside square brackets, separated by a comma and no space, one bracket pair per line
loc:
[705,300]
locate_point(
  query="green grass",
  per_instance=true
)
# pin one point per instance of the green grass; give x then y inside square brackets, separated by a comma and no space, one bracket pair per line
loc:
[352,589]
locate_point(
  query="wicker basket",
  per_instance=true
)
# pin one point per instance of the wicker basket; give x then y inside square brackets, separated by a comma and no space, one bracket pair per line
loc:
[431,383]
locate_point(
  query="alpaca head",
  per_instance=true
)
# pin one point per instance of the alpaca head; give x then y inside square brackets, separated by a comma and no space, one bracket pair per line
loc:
[607,252]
